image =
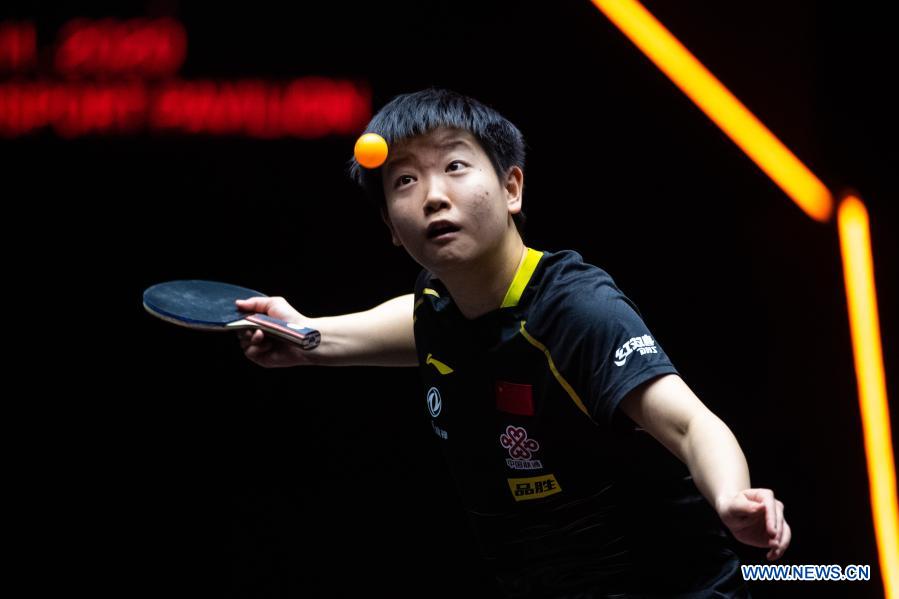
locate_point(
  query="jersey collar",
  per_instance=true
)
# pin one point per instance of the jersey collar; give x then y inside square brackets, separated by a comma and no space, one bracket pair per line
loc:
[522,277]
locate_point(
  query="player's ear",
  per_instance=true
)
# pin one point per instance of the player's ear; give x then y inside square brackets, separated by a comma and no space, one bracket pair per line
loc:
[386,218]
[514,187]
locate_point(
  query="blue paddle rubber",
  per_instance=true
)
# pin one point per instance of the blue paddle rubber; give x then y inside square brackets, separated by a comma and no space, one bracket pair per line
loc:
[198,302]
[210,306]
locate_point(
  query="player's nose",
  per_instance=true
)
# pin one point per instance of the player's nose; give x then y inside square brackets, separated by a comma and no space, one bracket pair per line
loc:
[436,197]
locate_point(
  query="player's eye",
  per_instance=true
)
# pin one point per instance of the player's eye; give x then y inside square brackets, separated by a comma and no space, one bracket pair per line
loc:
[399,180]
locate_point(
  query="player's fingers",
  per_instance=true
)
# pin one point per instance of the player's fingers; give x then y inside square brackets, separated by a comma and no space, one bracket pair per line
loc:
[779,523]
[773,538]
[255,351]
[745,506]
[256,304]
[766,496]
[771,515]
[778,550]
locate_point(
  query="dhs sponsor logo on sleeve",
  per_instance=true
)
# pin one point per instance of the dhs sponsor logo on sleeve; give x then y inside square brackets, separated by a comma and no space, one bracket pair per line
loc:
[643,344]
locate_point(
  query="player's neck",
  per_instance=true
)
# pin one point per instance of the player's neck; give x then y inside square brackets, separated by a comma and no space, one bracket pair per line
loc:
[481,289]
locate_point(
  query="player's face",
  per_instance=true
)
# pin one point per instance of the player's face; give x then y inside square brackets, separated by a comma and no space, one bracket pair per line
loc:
[447,175]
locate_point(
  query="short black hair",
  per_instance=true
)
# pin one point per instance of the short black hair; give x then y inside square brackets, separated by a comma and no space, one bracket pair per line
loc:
[418,113]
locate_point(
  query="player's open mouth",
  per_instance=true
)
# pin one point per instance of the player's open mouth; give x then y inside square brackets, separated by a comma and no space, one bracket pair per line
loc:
[443,233]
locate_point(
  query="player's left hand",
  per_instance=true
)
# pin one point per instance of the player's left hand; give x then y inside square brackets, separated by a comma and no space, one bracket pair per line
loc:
[756,518]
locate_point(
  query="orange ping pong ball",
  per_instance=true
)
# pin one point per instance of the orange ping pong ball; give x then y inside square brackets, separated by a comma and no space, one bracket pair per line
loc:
[371,150]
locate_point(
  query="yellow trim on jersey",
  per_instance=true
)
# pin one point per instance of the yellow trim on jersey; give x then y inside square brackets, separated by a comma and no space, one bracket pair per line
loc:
[521,278]
[568,388]
[420,300]
[523,275]
[440,366]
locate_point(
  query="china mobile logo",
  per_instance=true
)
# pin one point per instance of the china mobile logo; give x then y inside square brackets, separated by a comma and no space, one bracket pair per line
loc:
[643,344]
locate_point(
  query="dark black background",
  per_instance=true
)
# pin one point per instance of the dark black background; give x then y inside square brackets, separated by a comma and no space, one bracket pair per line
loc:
[179,466]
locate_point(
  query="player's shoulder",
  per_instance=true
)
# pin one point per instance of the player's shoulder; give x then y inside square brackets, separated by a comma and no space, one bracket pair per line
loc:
[428,291]
[426,282]
[572,289]
[421,281]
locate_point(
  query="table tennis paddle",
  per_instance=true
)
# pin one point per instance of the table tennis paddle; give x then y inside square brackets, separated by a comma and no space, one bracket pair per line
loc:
[209,306]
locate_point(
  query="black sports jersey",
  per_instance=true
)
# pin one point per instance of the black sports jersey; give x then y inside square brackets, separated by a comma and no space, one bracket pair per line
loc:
[563,491]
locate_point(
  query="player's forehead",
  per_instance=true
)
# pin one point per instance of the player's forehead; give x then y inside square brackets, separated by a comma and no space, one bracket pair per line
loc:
[441,139]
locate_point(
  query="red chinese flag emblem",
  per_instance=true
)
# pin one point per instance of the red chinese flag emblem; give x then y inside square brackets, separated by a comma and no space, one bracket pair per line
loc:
[514,398]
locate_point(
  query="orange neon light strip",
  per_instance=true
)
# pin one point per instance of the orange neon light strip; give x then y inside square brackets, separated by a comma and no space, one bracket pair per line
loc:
[858,269]
[662,48]
[809,193]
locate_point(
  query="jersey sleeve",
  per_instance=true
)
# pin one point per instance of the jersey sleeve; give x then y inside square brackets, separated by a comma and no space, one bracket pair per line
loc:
[418,291]
[420,283]
[616,352]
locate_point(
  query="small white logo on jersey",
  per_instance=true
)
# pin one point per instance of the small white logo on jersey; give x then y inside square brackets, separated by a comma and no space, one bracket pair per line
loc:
[439,431]
[644,345]
[434,402]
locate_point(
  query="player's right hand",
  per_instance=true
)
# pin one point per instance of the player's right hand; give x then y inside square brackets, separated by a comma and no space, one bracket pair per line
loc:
[270,351]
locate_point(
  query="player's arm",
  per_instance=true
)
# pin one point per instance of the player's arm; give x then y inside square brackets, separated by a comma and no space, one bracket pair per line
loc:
[667,408]
[380,336]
